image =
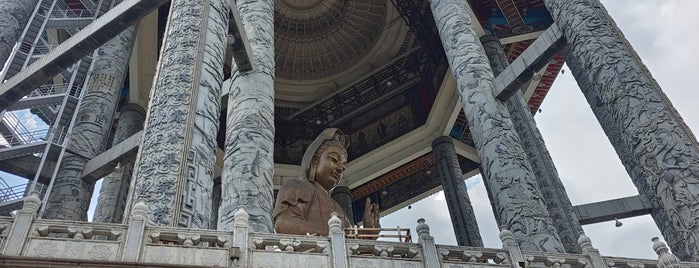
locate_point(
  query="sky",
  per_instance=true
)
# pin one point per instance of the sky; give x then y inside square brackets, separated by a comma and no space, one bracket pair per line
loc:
[660,32]
[587,164]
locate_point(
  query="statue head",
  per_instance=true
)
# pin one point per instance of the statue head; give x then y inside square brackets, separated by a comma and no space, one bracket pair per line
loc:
[325,159]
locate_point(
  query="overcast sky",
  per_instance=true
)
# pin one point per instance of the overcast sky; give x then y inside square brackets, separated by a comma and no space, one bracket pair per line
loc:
[661,33]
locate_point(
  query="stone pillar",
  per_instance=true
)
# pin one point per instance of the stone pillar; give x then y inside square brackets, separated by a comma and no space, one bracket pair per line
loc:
[629,102]
[550,185]
[517,202]
[70,196]
[215,203]
[175,164]
[115,186]
[248,163]
[14,15]
[343,196]
[462,217]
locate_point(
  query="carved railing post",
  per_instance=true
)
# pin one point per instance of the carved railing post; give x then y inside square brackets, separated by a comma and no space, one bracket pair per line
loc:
[510,245]
[21,226]
[133,241]
[665,258]
[430,257]
[239,247]
[337,242]
[587,249]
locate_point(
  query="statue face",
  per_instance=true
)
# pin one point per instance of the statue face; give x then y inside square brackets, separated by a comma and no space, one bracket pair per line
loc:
[330,167]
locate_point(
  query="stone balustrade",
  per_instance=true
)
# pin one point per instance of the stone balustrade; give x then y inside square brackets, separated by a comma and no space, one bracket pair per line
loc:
[25,239]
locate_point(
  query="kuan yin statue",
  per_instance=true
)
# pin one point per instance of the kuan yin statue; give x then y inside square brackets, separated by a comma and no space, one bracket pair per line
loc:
[304,205]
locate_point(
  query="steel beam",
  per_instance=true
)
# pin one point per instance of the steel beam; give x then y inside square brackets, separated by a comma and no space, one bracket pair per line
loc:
[535,57]
[82,43]
[626,207]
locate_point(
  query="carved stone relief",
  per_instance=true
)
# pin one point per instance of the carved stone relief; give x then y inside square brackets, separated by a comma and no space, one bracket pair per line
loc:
[460,209]
[248,164]
[70,195]
[550,185]
[174,171]
[657,148]
[115,186]
[516,200]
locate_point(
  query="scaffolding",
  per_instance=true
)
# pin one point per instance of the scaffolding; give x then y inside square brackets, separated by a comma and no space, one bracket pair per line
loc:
[34,130]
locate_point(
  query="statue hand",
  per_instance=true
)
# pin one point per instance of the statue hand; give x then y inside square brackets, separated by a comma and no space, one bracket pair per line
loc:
[371,215]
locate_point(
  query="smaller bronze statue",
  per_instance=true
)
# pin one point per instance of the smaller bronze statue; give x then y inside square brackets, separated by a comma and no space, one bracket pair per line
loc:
[304,205]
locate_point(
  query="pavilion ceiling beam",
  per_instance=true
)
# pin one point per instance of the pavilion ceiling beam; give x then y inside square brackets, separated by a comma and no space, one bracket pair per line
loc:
[511,13]
[535,57]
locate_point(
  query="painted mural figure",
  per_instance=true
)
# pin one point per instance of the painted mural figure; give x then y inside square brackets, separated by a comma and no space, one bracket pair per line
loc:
[304,205]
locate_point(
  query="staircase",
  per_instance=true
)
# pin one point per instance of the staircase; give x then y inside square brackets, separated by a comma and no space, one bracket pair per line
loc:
[53,105]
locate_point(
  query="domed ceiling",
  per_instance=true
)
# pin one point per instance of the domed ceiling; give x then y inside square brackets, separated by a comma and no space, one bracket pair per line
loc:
[320,44]
[318,38]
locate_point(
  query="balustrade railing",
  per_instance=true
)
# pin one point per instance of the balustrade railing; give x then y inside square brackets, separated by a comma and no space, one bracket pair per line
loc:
[72,13]
[134,242]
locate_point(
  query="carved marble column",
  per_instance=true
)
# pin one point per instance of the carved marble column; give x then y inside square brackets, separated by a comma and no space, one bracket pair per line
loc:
[343,196]
[516,200]
[175,163]
[550,185]
[14,15]
[115,186]
[462,217]
[629,103]
[248,164]
[70,195]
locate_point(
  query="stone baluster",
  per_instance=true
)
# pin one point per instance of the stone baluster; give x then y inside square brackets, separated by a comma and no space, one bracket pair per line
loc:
[515,197]
[587,249]
[133,240]
[239,245]
[516,258]
[19,231]
[430,257]
[665,258]
[338,247]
